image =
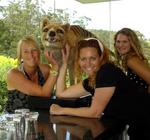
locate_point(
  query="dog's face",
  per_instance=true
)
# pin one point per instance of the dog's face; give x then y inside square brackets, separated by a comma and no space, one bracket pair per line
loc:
[53,34]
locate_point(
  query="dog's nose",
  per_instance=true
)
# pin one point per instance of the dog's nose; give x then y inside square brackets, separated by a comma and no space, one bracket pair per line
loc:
[52,33]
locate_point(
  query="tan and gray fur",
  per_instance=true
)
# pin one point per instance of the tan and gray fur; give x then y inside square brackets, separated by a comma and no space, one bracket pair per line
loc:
[55,36]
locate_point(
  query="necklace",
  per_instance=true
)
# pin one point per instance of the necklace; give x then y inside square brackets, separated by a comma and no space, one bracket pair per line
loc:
[27,75]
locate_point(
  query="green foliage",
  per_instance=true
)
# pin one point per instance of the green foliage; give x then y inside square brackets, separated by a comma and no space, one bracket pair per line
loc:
[23,17]
[105,36]
[6,63]
[20,18]
[3,95]
[4,38]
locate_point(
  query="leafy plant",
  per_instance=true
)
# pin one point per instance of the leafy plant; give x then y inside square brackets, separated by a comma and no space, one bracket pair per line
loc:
[6,63]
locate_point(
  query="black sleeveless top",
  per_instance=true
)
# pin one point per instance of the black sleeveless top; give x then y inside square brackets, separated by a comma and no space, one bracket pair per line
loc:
[139,82]
[17,99]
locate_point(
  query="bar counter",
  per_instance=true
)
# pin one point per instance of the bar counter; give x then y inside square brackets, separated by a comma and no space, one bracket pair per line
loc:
[52,127]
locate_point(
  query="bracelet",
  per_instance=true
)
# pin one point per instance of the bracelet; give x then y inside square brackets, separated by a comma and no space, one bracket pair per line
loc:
[54,73]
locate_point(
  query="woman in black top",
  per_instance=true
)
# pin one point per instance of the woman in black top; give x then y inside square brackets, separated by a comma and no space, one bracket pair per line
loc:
[113,93]
[131,59]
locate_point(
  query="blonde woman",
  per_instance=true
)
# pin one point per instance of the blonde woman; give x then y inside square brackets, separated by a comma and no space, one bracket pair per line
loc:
[31,77]
[131,58]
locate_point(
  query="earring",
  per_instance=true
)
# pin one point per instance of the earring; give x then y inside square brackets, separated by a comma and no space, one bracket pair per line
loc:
[21,60]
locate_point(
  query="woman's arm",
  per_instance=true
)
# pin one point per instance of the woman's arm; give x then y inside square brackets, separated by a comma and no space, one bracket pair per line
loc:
[17,80]
[75,90]
[140,67]
[61,82]
[99,102]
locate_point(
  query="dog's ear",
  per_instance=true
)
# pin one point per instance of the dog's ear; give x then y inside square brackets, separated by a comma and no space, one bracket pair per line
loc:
[66,27]
[44,22]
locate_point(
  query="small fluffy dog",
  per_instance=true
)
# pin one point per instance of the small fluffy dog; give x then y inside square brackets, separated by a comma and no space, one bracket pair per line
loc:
[55,36]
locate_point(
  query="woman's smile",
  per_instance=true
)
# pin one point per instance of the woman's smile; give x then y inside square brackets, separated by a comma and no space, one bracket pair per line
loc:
[89,60]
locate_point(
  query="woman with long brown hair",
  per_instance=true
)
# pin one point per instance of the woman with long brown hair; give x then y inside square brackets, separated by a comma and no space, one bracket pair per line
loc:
[130,58]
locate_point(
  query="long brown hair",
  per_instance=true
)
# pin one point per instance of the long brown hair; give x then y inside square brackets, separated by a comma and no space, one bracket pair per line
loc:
[136,47]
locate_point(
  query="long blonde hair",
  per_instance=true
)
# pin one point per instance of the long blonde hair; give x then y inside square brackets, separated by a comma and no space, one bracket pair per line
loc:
[136,47]
[25,40]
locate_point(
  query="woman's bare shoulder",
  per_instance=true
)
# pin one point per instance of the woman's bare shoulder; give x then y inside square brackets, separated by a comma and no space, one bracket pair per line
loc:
[14,76]
[13,73]
[135,60]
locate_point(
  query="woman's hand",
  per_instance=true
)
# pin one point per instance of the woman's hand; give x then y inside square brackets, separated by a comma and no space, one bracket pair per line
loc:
[55,109]
[52,61]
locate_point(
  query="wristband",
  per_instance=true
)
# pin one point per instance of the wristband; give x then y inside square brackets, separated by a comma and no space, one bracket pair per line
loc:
[54,73]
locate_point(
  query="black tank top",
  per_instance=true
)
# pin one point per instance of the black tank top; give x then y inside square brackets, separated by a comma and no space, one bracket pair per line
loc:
[17,99]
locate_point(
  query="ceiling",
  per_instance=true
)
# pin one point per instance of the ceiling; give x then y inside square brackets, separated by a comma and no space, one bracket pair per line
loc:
[93,1]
